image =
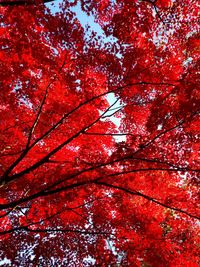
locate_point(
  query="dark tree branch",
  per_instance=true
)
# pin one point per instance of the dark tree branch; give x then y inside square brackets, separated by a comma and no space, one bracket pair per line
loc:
[5,178]
[55,150]
[27,148]
[134,192]
[51,190]
[49,230]
[23,3]
[71,112]
[153,3]
[66,115]
[46,192]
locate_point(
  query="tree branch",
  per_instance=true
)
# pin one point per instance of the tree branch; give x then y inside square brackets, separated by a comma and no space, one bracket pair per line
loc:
[137,193]
[49,230]
[5,178]
[23,3]
[50,190]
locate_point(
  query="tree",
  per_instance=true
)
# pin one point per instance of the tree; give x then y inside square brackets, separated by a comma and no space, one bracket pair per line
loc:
[77,189]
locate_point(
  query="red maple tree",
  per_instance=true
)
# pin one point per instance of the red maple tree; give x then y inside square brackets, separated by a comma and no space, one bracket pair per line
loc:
[99,158]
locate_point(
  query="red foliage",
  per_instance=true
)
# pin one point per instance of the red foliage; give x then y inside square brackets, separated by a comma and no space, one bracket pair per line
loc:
[99,157]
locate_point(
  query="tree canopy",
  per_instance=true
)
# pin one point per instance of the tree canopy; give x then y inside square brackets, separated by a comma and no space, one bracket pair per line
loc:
[99,157]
